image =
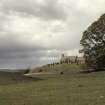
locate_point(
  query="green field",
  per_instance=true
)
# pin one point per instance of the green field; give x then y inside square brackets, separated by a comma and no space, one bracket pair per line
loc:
[71,88]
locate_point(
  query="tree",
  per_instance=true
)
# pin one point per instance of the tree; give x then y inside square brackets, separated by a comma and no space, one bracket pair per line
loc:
[93,43]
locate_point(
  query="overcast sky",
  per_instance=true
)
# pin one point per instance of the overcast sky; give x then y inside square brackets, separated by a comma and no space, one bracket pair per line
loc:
[32,32]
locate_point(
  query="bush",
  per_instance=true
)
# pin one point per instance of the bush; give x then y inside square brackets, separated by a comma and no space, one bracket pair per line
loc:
[27,71]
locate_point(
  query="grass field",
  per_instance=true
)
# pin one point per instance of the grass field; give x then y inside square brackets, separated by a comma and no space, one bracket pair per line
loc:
[71,88]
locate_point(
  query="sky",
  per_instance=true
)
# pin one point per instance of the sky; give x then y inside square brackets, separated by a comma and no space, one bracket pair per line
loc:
[37,32]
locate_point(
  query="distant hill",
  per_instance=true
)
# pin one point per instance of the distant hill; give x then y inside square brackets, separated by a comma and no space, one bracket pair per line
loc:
[12,70]
[13,78]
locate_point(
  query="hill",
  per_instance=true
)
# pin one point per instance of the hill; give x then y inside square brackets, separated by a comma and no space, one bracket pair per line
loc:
[58,68]
[51,88]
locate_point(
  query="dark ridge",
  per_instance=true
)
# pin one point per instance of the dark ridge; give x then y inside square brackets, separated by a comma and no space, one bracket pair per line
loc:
[7,78]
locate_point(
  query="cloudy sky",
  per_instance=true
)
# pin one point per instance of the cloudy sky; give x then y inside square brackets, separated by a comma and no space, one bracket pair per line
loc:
[34,32]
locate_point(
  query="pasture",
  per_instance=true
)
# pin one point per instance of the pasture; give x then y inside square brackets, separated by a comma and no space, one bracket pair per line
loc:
[71,88]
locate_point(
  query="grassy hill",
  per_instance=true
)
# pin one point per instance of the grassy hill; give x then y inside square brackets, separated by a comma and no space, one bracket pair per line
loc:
[71,88]
[58,68]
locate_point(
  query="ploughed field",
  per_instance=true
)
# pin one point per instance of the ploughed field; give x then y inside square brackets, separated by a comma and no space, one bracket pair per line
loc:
[52,88]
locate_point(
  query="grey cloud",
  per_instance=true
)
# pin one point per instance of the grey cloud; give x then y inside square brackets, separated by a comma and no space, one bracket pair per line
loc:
[21,59]
[20,63]
[14,54]
[50,10]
